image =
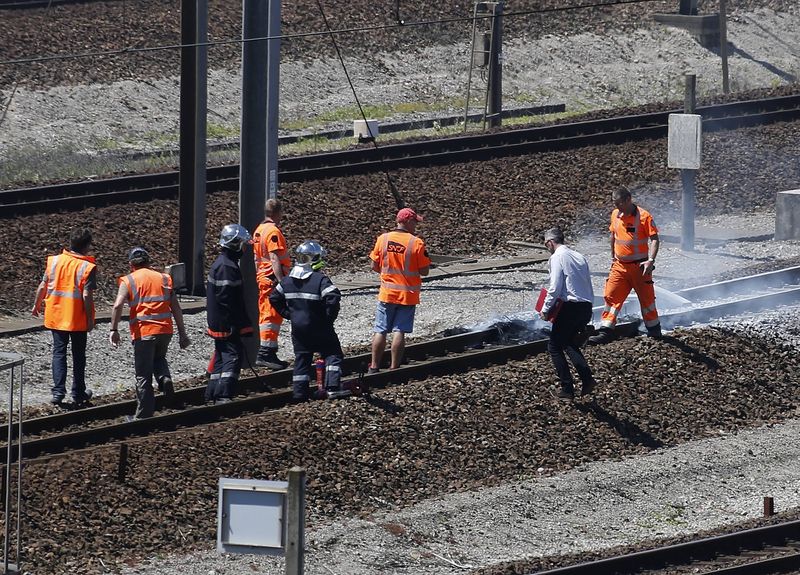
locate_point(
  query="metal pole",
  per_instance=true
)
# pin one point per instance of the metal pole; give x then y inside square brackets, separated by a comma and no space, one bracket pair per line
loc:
[688,176]
[495,106]
[10,436]
[688,7]
[723,45]
[19,466]
[192,179]
[253,166]
[295,521]
[273,96]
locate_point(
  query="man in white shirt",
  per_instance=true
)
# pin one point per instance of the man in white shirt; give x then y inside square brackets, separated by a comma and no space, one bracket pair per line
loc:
[568,305]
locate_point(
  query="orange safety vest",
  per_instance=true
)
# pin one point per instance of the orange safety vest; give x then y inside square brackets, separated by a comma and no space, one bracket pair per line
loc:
[266,236]
[65,277]
[149,295]
[401,281]
[631,234]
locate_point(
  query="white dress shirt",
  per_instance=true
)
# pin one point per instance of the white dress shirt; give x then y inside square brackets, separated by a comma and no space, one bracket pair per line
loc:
[569,278]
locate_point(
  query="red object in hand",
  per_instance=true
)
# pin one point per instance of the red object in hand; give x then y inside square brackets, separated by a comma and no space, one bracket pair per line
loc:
[551,315]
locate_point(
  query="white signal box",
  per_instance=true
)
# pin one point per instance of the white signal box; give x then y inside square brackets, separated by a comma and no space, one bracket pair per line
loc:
[685,141]
[251,516]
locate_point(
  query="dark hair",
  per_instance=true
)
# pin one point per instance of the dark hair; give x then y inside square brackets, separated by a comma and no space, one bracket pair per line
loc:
[80,240]
[621,193]
[555,234]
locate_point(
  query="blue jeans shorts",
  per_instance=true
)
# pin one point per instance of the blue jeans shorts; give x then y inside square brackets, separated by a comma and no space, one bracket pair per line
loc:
[394,317]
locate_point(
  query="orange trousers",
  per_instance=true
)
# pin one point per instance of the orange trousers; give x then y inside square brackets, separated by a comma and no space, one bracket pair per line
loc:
[269,320]
[623,278]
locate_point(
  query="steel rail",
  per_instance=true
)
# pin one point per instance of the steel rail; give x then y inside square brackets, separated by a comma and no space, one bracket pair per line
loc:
[686,553]
[453,354]
[76,195]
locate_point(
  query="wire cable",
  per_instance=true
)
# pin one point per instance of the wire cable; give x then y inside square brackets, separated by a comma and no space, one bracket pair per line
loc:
[398,199]
[302,35]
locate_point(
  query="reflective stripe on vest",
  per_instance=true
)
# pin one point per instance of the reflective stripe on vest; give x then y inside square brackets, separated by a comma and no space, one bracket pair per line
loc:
[633,249]
[149,295]
[66,275]
[301,295]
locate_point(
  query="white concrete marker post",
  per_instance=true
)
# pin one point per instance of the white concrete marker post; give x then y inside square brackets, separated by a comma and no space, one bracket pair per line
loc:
[684,151]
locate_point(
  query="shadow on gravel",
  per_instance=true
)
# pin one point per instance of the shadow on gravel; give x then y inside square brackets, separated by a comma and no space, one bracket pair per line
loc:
[626,428]
[385,405]
[694,355]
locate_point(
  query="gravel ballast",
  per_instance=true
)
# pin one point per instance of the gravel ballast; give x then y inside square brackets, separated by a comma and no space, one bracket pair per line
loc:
[454,474]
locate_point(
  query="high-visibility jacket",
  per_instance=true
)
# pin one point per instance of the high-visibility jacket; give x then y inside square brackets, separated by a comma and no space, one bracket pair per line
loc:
[149,295]
[66,276]
[631,234]
[400,255]
[269,238]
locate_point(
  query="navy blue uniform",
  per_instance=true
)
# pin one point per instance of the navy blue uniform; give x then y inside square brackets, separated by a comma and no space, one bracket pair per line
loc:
[227,323]
[311,302]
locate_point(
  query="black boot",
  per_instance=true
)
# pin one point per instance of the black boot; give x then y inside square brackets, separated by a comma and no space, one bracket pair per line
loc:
[604,335]
[655,331]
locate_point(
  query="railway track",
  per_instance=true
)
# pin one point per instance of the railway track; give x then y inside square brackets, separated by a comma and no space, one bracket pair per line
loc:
[760,551]
[448,355]
[138,188]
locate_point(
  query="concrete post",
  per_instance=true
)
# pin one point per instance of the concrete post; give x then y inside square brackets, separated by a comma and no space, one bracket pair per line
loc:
[723,45]
[495,103]
[295,522]
[688,176]
[193,111]
[253,152]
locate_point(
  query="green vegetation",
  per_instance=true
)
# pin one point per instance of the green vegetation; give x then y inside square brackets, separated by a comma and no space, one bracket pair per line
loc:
[36,166]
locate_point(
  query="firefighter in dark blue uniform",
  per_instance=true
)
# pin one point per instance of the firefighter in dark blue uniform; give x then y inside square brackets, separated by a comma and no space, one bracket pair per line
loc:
[226,313]
[308,298]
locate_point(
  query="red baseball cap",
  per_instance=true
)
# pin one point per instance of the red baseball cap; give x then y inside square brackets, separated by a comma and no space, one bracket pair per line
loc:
[408,214]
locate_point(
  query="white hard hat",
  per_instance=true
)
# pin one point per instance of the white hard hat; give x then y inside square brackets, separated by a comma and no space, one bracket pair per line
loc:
[310,253]
[233,237]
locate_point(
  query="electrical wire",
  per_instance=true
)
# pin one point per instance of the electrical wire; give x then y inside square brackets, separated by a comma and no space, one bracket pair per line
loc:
[398,199]
[302,35]
[17,80]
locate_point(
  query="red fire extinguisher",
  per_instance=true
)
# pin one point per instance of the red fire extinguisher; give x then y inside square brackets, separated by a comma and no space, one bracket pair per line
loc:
[320,367]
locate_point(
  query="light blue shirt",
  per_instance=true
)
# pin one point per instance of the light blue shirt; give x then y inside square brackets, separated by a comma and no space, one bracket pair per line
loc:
[570,279]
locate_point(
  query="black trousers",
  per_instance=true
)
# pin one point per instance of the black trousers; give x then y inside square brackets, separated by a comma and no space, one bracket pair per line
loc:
[305,343]
[228,354]
[570,321]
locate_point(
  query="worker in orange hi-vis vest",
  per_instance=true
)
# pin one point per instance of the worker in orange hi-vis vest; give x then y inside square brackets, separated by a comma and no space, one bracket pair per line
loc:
[272,263]
[634,247]
[66,292]
[401,259]
[153,305]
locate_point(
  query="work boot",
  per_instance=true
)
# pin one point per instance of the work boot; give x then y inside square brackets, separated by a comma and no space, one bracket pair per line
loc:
[565,395]
[270,359]
[83,401]
[655,331]
[588,387]
[57,401]
[166,387]
[335,392]
[603,336]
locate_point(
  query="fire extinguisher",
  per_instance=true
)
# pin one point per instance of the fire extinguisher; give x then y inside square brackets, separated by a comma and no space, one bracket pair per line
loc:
[320,367]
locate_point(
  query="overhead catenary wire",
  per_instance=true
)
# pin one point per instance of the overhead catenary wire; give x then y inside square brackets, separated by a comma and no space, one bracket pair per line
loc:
[300,35]
[398,199]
